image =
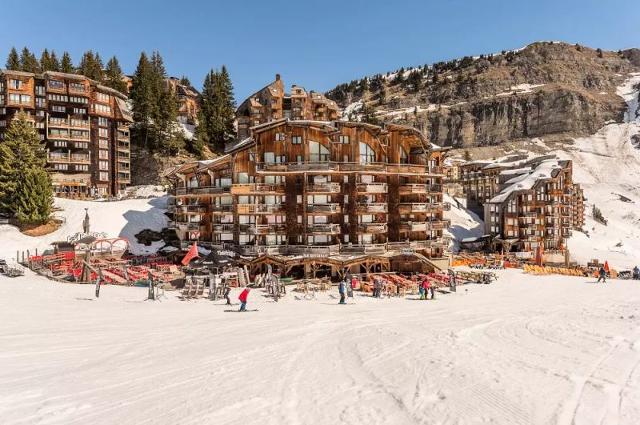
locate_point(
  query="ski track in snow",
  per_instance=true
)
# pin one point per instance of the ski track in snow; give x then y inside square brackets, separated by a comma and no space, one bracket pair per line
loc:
[523,350]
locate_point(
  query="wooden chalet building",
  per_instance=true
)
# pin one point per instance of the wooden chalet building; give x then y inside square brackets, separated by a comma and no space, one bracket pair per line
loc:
[318,195]
[84,125]
[535,206]
[272,103]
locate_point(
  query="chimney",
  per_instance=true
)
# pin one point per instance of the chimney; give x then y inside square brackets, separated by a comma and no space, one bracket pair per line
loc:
[277,77]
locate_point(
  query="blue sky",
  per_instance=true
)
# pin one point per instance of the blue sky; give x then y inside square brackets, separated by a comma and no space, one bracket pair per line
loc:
[317,44]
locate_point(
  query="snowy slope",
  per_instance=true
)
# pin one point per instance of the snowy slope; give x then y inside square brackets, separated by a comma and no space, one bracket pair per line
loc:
[464,223]
[120,218]
[523,350]
[607,165]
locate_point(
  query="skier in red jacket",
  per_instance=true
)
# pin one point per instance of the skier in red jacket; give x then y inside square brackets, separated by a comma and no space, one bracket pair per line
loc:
[243,299]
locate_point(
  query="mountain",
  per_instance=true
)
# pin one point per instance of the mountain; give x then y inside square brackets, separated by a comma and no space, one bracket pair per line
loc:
[546,89]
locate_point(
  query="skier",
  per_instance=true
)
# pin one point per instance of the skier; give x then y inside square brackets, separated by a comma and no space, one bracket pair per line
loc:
[227,291]
[421,290]
[433,291]
[636,273]
[342,288]
[378,286]
[602,275]
[243,298]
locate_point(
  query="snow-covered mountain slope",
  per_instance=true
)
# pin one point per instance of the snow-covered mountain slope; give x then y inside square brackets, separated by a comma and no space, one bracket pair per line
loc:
[607,165]
[464,223]
[114,219]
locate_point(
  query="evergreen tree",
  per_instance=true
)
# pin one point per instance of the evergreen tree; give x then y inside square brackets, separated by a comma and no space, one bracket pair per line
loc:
[142,101]
[368,114]
[113,76]
[55,64]
[28,61]
[13,60]
[216,123]
[46,62]
[66,65]
[33,199]
[20,154]
[91,66]
[185,81]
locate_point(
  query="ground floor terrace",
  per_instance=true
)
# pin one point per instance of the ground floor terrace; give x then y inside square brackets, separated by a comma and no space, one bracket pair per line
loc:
[523,350]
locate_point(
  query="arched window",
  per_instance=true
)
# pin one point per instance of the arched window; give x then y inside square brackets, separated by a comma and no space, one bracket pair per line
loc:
[404,158]
[318,152]
[367,154]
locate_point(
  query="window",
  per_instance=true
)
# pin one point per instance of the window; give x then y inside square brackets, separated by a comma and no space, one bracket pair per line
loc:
[103,122]
[40,102]
[103,143]
[60,144]
[367,154]
[280,137]
[77,99]
[296,140]
[103,132]
[82,168]
[104,176]
[343,139]
[102,108]
[60,167]
[404,158]
[79,111]
[103,165]
[15,84]
[19,98]
[56,84]
[102,154]
[102,97]
[318,152]
[58,97]
[76,87]
[40,91]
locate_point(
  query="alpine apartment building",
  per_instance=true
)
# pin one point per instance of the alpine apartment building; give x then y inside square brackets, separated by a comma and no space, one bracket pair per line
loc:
[83,124]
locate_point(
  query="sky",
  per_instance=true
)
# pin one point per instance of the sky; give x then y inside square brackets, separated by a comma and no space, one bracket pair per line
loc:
[316,44]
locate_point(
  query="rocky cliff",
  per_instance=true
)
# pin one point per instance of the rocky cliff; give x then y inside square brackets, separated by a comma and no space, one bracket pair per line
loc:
[541,90]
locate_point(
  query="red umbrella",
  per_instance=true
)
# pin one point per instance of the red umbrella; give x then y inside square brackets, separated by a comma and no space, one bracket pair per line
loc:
[193,253]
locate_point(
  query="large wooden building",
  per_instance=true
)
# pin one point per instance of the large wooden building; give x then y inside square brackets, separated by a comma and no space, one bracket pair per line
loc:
[526,202]
[84,125]
[272,103]
[313,195]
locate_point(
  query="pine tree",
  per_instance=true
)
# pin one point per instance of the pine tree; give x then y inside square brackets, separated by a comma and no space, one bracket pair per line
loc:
[13,60]
[55,64]
[46,63]
[216,123]
[66,65]
[142,99]
[113,76]
[28,61]
[33,199]
[185,81]
[91,66]
[20,153]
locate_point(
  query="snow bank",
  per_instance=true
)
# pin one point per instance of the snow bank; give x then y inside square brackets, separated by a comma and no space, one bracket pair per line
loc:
[464,223]
[523,350]
[115,219]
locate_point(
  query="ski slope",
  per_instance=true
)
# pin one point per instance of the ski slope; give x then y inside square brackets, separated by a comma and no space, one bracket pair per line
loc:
[607,165]
[115,219]
[523,350]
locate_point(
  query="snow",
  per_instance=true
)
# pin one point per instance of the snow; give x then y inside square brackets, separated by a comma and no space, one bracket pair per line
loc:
[464,223]
[114,219]
[145,191]
[607,165]
[520,89]
[523,350]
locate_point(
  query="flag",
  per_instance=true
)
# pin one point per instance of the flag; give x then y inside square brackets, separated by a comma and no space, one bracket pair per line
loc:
[606,266]
[193,253]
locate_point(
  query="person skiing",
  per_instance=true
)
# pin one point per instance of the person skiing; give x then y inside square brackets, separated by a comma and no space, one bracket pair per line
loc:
[342,289]
[243,298]
[602,275]
[421,290]
[378,286]
[227,291]
[636,273]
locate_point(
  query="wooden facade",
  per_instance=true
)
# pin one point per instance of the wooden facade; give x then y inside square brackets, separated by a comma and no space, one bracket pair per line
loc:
[84,125]
[331,190]
[538,205]
[272,103]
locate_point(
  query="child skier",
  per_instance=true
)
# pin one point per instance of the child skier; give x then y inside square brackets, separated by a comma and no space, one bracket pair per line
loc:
[342,289]
[243,299]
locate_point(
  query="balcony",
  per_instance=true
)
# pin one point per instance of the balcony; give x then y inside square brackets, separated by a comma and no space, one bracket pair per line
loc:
[309,250]
[260,208]
[184,225]
[191,209]
[296,167]
[259,188]
[69,158]
[407,208]
[222,228]
[321,209]
[80,135]
[371,188]
[263,229]
[324,229]
[204,190]
[324,188]
[372,228]
[363,249]
[417,188]
[424,226]
[371,208]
